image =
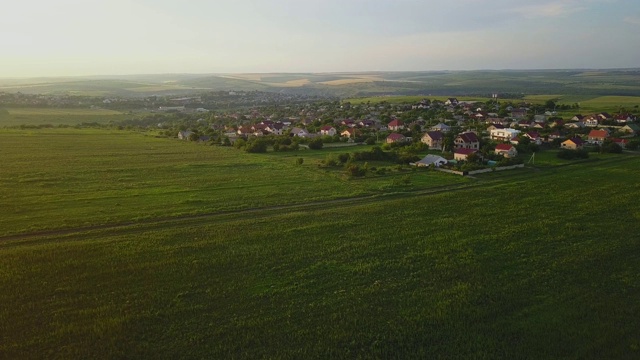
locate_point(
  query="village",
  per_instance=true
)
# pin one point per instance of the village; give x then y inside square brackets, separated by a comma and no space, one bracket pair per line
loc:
[466,135]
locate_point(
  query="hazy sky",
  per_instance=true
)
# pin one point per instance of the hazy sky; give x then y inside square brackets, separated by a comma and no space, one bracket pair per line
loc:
[94,37]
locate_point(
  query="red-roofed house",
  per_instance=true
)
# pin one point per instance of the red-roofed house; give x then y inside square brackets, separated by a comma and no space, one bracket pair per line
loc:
[467,140]
[534,137]
[572,144]
[396,125]
[506,150]
[622,142]
[395,137]
[433,139]
[328,130]
[597,136]
[463,154]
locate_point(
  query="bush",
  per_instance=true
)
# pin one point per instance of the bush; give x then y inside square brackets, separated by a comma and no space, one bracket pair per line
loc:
[315,144]
[356,170]
[256,146]
[633,145]
[573,154]
[299,161]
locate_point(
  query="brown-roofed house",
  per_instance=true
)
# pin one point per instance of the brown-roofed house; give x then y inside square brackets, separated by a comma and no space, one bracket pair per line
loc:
[573,143]
[467,140]
[433,139]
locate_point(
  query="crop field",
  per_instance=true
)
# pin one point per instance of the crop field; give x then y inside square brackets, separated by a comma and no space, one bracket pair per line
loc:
[536,263]
[11,117]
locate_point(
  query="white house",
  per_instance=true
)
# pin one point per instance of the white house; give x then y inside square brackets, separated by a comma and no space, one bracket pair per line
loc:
[503,134]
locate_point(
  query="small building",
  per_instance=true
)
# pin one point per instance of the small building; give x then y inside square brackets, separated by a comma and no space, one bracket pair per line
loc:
[348,133]
[506,150]
[503,134]
[434,139]
[441,127]
[184,135]
[395,138]
[574,143]
[463,154]
[430,159]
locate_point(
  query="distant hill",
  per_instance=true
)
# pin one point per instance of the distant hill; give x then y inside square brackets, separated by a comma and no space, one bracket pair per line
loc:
[567,82]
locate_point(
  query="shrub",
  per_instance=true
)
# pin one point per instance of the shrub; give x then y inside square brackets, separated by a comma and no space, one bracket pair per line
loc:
[568,154]
[315,144]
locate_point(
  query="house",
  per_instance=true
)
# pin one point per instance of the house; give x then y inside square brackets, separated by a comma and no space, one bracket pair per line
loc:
[540,118]
[518,113]
[503,134]
[622,142]
[436,160]
[557,123]
[631,129]
[494,127]
[463,154]
[184,135]
[467,140]
[328,130]
[524,123]
[395,138]
[624,118]
[441,127]
[349,133]
[555,135]
[506,150]
[573,143]
[534,137]
[575,125]
[396,125]
[497,121]
[577,117]
[597,136]
[591,121]
[276,128]
[434,139]
[367,123]
[299,132]
[604,116]
[451,102]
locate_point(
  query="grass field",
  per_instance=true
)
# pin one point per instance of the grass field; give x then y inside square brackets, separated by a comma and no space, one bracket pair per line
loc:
[11,117]
[57,178]
[527,264]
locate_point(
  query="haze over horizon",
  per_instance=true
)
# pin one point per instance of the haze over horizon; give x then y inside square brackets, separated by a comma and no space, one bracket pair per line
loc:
[120,37]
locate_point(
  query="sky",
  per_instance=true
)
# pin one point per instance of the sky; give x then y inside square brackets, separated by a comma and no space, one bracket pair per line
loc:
[119,37]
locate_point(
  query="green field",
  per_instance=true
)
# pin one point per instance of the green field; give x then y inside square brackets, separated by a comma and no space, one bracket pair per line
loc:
[57,178]
[12,117]
[535,263]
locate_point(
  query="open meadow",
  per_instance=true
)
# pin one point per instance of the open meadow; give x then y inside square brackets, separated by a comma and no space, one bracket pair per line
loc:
[174,249]
[14,117]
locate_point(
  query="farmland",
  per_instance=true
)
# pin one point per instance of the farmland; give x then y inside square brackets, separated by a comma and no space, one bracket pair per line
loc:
[580,83]
[193,260]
